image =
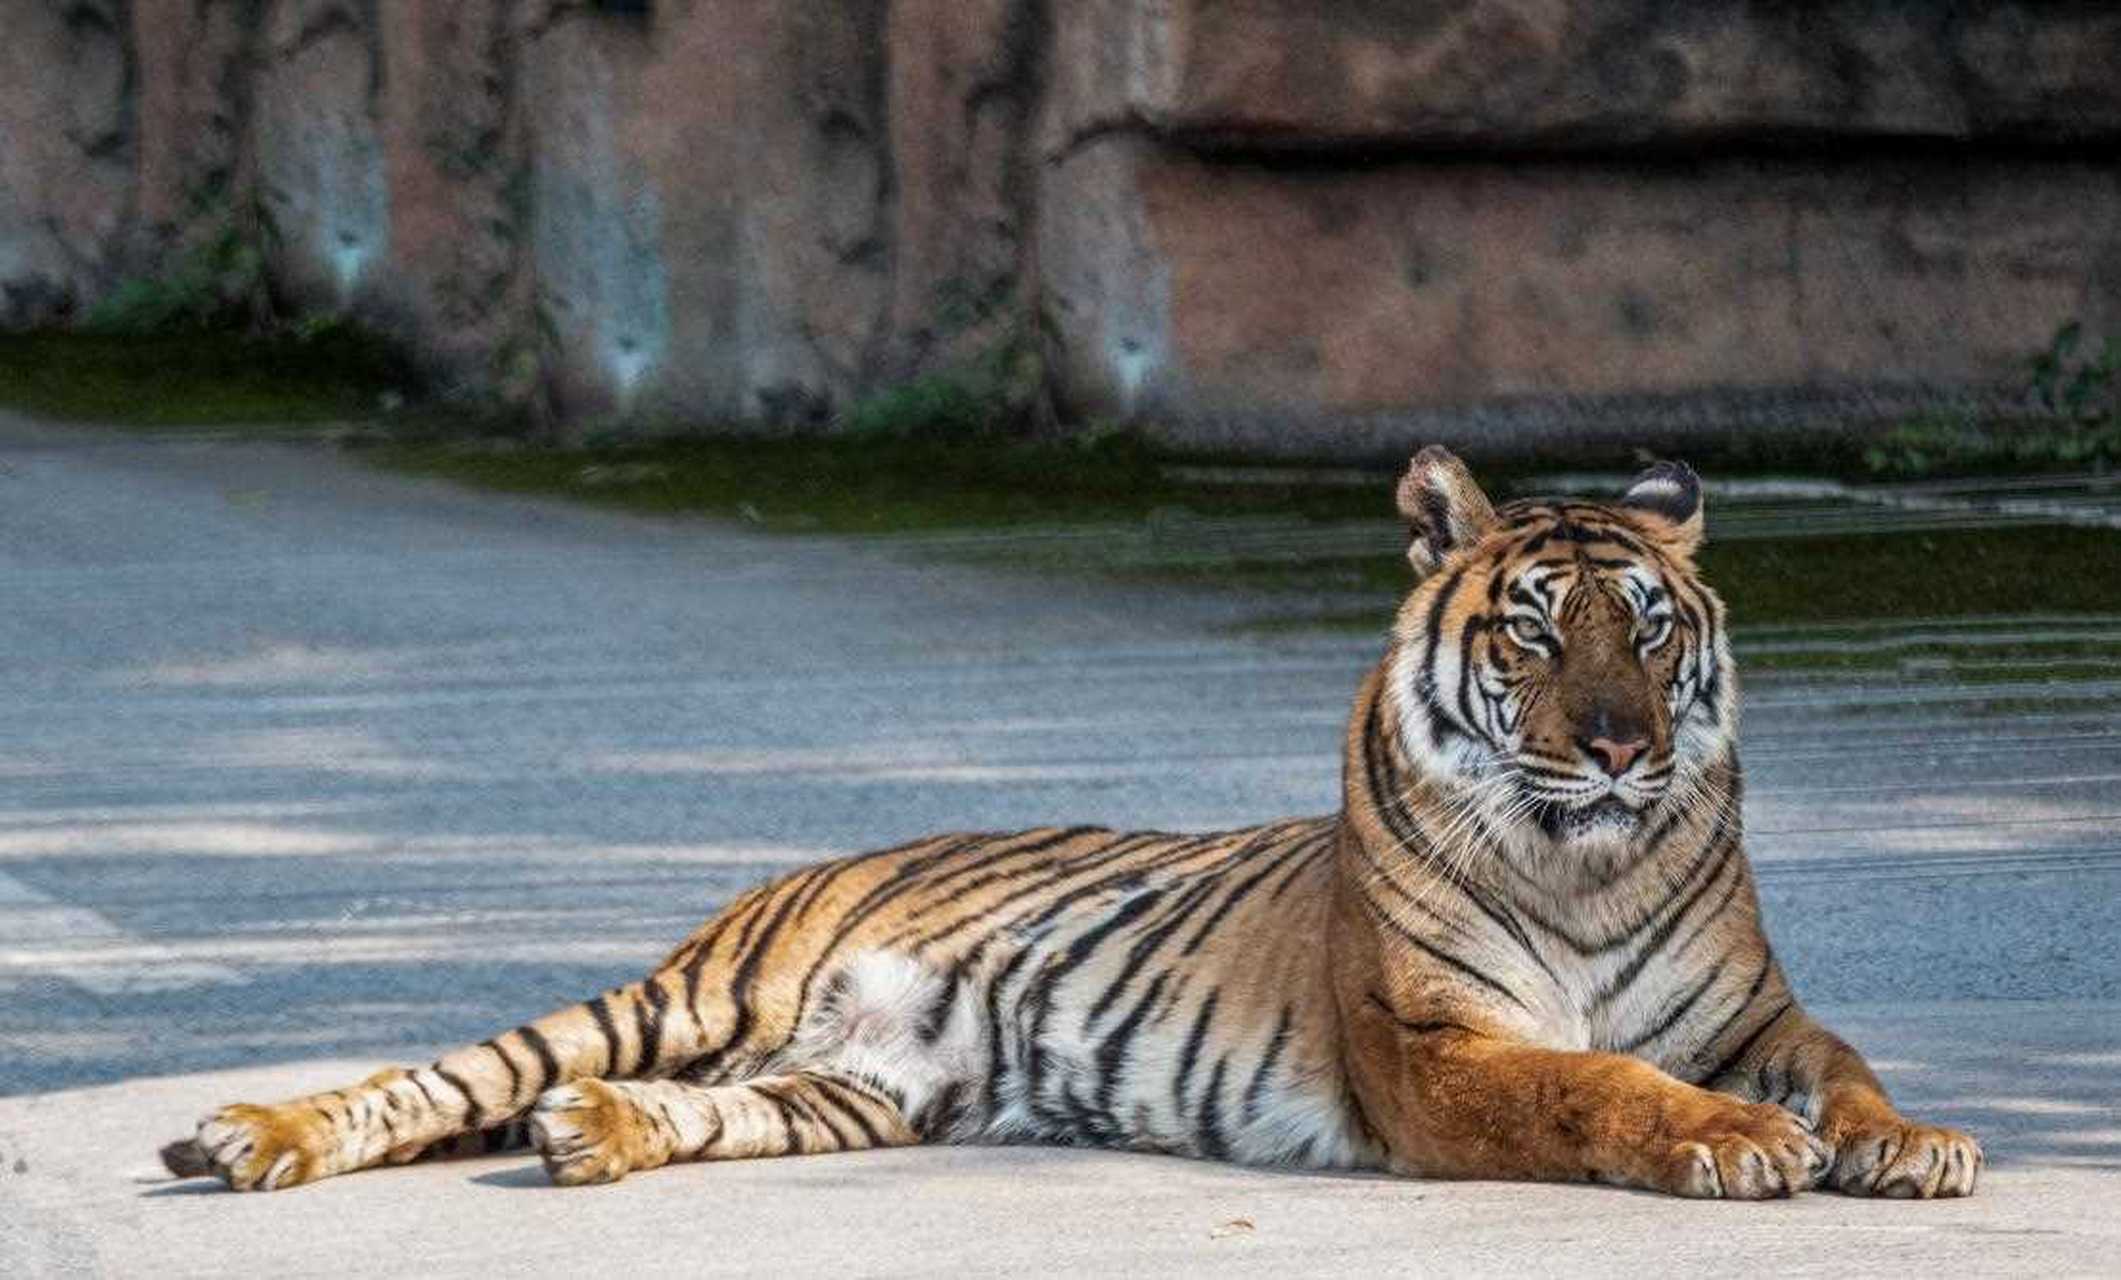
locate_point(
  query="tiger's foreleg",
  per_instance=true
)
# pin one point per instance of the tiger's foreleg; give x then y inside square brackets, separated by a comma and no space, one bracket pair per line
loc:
[1452,1101]
[398,1115]
[599,1130]
[1790,1059]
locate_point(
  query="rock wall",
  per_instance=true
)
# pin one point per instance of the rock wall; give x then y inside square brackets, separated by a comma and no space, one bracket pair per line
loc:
[1317,227]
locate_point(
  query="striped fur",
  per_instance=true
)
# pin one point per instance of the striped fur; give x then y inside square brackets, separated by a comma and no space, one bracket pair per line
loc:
[1527,946]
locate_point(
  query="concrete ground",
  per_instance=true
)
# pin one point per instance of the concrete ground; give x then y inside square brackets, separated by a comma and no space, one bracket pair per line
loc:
[312,769]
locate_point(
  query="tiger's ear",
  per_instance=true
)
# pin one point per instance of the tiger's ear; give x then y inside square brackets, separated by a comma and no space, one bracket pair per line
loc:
[1670,493]
[1444,508]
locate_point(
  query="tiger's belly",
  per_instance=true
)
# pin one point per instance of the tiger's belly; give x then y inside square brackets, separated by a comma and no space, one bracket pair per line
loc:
[1172,1061]
[1174,1073]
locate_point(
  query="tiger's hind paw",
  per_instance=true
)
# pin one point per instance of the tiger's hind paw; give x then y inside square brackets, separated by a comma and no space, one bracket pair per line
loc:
[590,1132]
[255,1148]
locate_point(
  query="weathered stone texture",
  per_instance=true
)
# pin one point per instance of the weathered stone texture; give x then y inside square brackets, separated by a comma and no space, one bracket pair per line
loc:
[452,264]
[195,88]
[964,78]
[66,153]
[1515,74]
[1203,211]
[1423,285]
[322,182]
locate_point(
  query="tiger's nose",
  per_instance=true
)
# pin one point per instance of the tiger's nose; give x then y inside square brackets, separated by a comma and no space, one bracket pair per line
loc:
[1615,757]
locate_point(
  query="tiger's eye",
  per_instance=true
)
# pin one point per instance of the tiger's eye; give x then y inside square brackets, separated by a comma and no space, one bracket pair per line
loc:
[1526,631]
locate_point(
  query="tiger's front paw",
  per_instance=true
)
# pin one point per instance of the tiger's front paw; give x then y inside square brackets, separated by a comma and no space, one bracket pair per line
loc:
[256,1148]
[1905,1160]
[1746,1151]
[590,1131]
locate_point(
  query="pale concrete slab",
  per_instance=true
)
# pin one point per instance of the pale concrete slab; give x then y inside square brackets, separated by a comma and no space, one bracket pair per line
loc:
[2041,1083]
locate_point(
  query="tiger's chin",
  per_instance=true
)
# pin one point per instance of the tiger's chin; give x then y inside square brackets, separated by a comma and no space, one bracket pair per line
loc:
[1605,822]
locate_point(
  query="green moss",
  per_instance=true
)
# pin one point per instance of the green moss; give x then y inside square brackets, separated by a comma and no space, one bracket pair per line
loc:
[198,379]
[1958,573]
[1945,444]
[872,484]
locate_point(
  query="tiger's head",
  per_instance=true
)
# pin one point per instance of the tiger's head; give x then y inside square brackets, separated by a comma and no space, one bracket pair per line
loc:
[1560,668]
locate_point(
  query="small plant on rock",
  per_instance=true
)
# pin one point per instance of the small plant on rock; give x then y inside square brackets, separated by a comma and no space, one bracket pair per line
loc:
[2073,382]
[216,284]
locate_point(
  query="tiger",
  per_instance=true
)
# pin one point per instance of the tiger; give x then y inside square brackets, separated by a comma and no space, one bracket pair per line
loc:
[1527,946]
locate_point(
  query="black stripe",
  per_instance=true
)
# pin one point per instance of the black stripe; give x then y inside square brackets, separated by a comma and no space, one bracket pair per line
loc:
[997,1046]
[810,1103]
[1238,894]
[1323,839]
[1159,857]
[779,1104]
[1189,1056]
[1037,997]
[648,1013]
[1606,533]
[919,932]
[546,1062]
[600,1009]
[747,973]
[1729,842]
[695,961]
[876,898]
[1209,1129]
[1144,946]
[1680,1010]
[1422,1027]
[1404,934]
[1474,625]
[1112,1050]
[473,1112]
[515,1074]
[1495,912]
[936,1017]
[1275,1044]
[1745,1046]
[1739,1010]
[1433,635]
[829,1092]
[1709,917]
[1377,767]
[757,912]
[953,883]
[943,1112]
[425,1092]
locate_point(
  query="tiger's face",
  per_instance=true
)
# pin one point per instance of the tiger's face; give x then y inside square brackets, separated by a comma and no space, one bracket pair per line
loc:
[1560,672]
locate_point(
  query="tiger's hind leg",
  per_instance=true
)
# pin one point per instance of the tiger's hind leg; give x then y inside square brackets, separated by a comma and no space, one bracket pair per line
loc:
[397,1116]
[888,1054]
[601,1130]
